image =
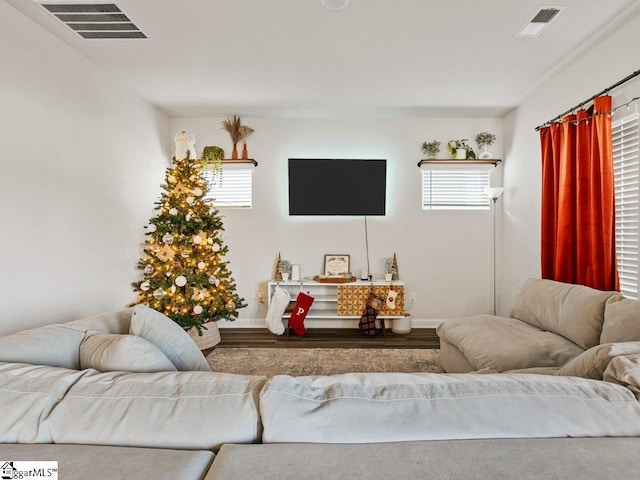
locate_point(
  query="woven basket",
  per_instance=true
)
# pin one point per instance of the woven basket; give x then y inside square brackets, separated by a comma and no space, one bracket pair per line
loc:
[353,298]
[210,335]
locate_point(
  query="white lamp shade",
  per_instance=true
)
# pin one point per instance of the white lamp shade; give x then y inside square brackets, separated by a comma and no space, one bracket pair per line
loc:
[494,192]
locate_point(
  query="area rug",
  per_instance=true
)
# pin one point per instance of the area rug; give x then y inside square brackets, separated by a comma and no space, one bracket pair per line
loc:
[322,361]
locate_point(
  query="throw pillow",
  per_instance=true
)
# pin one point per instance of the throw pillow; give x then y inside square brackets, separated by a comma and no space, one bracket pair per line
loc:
[110,352]
[621,320]
[593,362]
[169,337]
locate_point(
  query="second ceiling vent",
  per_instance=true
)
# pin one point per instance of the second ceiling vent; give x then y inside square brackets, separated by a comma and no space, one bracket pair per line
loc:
[540,21]
[102,21]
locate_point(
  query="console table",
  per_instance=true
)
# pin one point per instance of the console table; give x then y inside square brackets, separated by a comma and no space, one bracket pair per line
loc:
[341,301]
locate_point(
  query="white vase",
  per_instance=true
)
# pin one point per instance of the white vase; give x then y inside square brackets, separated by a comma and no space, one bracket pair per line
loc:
[388,277]
[461,153]
[484,152]
[210,335]
[285,276]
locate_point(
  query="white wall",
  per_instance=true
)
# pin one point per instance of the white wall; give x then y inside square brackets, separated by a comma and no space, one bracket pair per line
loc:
[81,161]
[443,256]
[610,61]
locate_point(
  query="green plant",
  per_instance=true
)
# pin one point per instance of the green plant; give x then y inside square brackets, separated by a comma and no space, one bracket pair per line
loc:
[485,138]
[454,145]
[431,149]
[284,266]
[213,156]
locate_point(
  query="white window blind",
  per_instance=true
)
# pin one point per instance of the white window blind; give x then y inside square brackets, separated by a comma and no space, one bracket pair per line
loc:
[230,187]
[626,171]
[455,189]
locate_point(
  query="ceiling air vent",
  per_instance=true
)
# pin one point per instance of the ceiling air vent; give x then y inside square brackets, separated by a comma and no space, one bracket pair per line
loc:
[102,21]
[539,22]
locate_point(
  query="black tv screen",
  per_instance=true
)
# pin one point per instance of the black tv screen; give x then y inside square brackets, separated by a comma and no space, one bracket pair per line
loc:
[322,186]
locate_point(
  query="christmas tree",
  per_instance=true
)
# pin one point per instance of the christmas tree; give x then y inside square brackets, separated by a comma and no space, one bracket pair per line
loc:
[185,276]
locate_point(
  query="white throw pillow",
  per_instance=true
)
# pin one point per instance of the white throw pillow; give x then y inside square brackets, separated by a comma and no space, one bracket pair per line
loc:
[108,352]
[169,337]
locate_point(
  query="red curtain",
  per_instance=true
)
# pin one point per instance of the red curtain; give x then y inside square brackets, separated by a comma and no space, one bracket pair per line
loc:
[578,205]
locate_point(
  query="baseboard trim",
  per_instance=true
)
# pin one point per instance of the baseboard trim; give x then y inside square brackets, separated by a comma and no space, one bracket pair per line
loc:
[426,322]
[260,323]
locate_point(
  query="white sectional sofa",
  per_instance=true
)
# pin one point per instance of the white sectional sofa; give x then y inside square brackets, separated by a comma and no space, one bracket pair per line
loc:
[181,423]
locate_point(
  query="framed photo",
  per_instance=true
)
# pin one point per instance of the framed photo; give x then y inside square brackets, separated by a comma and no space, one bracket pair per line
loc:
[336,265]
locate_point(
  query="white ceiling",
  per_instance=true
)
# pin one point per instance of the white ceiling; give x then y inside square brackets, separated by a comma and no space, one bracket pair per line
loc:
[374,58]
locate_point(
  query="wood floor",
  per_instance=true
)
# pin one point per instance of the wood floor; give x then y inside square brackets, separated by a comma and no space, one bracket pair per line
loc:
[327,338]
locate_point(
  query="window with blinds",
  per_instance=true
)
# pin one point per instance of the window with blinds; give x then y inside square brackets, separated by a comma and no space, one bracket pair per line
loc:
[230,187]
[626,171]
[455,189]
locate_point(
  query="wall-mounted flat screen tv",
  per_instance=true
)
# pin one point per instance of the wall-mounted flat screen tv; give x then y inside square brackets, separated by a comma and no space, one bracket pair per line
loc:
[323,186]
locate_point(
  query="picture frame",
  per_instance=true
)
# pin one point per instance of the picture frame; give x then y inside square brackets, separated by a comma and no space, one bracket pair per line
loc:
[336,264]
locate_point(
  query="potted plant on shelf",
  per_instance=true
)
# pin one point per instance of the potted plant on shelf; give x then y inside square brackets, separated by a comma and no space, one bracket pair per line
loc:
[284,268]
[484,140]
[431,149]
[245,131]
[460,150]
[389,268]
[213,156]
[232,126]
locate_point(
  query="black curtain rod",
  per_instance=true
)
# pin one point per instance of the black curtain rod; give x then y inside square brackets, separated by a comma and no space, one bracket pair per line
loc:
[606,90]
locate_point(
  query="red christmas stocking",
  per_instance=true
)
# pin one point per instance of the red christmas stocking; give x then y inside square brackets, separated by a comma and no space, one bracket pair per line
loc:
[303,303]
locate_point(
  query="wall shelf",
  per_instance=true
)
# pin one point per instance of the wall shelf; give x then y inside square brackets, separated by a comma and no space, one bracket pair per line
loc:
[239,161]
[453,161]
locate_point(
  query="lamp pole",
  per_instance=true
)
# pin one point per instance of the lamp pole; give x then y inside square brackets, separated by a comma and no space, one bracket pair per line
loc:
[494,194]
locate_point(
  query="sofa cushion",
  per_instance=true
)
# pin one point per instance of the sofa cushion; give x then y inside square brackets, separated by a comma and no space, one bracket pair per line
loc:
[395,407]
[593,362]
[82,462]
[187,410]
[453,360]
[169,337]
[53,345]
[108,352]
[107,322]
[621,320]
[501,343]
[28,395]
[574,311]
[494,459]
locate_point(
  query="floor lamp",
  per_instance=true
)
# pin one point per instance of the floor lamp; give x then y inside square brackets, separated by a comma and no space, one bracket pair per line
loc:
[494,194]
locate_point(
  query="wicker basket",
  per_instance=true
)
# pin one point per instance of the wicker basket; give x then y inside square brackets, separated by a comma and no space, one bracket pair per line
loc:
[352,299]
[210,335]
